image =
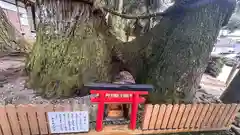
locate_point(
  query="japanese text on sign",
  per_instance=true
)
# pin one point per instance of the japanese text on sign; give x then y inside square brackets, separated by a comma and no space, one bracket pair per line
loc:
[68,122]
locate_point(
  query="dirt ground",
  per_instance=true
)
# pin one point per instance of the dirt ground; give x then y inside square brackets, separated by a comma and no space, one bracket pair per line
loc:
[12,85]
[13,90]
[212,85]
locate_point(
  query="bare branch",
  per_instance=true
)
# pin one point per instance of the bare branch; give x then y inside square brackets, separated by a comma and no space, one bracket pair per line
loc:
[133,17]
[177,8]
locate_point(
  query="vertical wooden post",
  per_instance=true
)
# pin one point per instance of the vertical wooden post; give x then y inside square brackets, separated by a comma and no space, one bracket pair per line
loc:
[134,111]
[231,74]
[100,112]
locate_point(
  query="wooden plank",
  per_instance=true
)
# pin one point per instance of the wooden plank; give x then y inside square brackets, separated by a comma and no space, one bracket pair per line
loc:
[229,114]
[115,130]
[173,116]
[32,117]
[167,116]
[67,107]
[84,107]
[190,116]
[48,108]
[147,116]
[123,130]
[202,115]
[4,121]
[185,115]
[218,116]
[176,131]
[223,116]
[59,108]
[154,117]
[76,106]
[160,117]
[213,115]
[196,115]
[179,116]
[23,120]
[42,121]
[13,119]
[233,115]
[1,133]
[207,116]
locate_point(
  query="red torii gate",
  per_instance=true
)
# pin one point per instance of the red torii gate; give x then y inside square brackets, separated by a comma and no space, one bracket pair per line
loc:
[102,89]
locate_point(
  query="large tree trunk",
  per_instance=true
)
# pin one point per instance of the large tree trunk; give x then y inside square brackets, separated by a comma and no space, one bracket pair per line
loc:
[11,40]
[71,48]
[172,56]
[232,93]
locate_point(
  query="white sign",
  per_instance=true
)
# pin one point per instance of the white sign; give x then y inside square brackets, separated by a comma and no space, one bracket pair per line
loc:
[68,122]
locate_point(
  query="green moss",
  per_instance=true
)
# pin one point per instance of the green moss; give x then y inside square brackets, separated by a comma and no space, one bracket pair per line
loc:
[178,52]
[60,65]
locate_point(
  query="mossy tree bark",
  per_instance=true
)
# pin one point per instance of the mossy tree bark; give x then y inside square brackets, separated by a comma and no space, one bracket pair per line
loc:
[172,56]
[10,39]
[71,48]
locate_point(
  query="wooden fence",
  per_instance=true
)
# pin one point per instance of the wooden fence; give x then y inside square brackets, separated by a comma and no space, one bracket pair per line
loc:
[32,119]
[29,119]
[186,118]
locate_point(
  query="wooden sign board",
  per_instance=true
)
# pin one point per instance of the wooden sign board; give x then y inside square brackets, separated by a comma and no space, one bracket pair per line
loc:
[68,122]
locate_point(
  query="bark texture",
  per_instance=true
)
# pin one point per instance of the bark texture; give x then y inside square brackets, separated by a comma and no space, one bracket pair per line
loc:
[174,54]
[74,47]
[71,48]
[232,93]
[10,39]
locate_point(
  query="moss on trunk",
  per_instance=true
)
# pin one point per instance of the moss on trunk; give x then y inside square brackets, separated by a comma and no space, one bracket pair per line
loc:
[70,50]
[172,56]
[180,46]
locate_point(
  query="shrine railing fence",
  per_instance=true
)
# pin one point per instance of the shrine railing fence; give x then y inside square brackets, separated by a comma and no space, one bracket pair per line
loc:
[188,117]
[32,119]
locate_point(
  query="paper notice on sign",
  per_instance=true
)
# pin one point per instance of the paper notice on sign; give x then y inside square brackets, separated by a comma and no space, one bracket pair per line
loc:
[68,122]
